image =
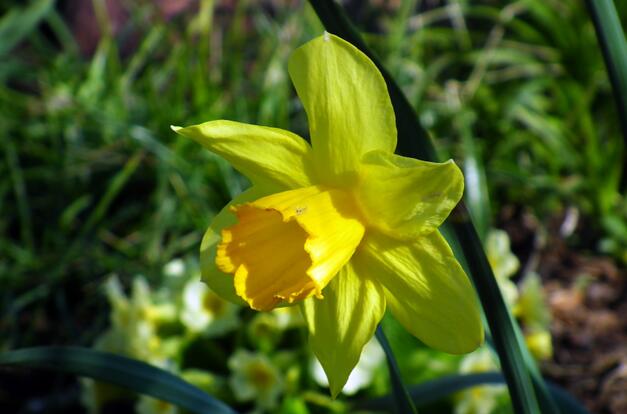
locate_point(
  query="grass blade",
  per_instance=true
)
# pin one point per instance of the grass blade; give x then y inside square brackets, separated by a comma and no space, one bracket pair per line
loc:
[125,372]
[21,194]
[612,40]
[402,401]
[17,24]
[415,142]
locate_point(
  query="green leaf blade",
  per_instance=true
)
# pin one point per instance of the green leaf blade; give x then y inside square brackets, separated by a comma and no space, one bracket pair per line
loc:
[17,24]
[443,387]
[402,400]
[125,372]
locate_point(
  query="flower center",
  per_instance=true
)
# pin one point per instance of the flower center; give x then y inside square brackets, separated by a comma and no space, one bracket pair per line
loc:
[214,304]
[288,246]
[261,376]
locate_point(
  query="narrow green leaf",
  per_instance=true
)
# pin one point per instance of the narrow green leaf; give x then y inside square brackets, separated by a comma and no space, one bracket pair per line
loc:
[21,195]
[435,390]
[125,372]
[539,385]
[402,401]
[18,23]
[501,324]
[612,40]
[415,142]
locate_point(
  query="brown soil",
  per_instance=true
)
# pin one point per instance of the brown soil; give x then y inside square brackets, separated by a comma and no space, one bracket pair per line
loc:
[587,296]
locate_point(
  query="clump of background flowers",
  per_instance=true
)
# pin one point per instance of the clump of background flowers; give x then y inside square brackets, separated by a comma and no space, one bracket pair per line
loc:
[528,305]
[258,362]
[527,302]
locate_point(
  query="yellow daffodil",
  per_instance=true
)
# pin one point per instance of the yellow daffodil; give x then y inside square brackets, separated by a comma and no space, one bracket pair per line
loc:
[343,226]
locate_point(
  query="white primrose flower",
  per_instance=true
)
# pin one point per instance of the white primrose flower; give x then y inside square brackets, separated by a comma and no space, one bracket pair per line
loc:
[134,323]
[133,332]
[255,378]
[481,399]
[174,268]
[204,311]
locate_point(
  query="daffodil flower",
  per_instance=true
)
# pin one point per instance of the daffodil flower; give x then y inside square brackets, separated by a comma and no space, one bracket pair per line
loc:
[342,226]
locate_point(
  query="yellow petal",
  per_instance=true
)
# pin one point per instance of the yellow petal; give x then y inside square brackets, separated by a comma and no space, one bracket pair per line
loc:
[404,197]
[267,258]
[426,289]
[347,104]
[271,158]
[218,281]
[343,322]
[289,245]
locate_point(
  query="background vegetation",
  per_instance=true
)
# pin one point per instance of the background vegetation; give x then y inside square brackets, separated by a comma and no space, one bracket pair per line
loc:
[93,182]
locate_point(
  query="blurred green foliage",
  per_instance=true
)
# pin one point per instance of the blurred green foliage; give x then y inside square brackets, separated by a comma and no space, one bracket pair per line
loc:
[93,182]
[519,92]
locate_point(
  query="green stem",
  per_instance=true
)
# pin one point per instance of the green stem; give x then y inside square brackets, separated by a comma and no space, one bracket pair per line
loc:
[522,386]
[402,400]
